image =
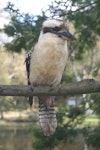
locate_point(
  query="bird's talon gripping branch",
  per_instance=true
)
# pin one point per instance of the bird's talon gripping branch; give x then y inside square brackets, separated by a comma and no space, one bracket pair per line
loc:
[32,88]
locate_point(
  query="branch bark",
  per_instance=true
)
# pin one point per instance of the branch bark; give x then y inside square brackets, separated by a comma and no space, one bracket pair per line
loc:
[83,87]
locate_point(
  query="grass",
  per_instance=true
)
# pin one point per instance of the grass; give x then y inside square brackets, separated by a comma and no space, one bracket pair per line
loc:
[91,120]
[18,116]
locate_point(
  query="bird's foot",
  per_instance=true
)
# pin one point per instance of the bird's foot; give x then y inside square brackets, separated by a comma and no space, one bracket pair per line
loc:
[52,87]
[34,85]
[32,88]
[39,85]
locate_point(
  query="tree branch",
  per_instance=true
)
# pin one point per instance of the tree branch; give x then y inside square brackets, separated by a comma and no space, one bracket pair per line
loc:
[83,87]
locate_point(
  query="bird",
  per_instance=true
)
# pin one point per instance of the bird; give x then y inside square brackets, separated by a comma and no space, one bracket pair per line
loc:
[45,64]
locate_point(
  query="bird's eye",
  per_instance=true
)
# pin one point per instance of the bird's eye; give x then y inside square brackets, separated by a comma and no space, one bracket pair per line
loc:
[56,29]
[46,30]
[49,29]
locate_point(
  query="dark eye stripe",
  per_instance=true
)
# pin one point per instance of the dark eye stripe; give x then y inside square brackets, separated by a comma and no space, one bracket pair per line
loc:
[56,29]
[49,29]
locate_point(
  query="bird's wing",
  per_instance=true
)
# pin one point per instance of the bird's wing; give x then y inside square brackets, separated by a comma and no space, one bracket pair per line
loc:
[27,62]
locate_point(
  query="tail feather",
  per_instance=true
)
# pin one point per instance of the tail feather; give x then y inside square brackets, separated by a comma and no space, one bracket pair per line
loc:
[47,116]
[31,100]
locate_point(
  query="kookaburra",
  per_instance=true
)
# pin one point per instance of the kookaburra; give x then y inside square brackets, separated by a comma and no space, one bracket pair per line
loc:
[45,66]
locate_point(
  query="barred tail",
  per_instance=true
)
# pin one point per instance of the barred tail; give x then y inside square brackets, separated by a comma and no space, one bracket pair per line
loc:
[47,116]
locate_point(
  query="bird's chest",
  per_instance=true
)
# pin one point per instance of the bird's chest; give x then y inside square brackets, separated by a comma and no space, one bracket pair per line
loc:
[47,64]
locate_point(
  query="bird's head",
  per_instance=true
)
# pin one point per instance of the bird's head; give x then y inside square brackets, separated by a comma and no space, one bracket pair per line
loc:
[57,27]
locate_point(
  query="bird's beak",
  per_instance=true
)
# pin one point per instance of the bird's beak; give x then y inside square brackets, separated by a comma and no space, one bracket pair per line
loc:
[66,36]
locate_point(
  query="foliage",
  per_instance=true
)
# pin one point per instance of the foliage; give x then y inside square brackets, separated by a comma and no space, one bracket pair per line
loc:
[96,101]
[24,28]
[94,137]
